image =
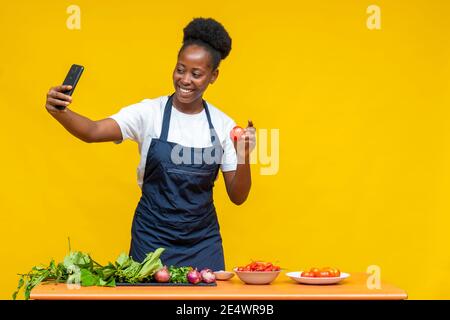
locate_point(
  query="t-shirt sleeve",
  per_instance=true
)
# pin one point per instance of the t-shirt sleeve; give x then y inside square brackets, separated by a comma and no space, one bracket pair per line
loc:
[130,121]
[229,161]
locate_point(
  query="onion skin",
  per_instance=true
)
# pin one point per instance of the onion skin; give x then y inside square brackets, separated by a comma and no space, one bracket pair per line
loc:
[194,276]
[208,276]
[162,275]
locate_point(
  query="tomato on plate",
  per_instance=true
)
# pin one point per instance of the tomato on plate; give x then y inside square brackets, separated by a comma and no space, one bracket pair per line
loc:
[315,271]
[334,272]
[307,274]
[236,133]
[324,274]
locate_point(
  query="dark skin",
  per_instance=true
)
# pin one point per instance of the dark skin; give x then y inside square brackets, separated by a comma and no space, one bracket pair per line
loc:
[192,75]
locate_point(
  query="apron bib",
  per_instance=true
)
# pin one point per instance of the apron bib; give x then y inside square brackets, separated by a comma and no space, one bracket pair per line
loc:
[176,209]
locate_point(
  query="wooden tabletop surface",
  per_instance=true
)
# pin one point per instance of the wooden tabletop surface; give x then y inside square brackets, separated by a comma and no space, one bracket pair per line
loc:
[283,288]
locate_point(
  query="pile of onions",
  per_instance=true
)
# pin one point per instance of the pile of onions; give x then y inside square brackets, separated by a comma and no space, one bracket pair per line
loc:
[206,275]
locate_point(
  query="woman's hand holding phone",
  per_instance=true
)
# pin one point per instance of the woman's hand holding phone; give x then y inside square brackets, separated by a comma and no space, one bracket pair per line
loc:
[57,101]
[59,97]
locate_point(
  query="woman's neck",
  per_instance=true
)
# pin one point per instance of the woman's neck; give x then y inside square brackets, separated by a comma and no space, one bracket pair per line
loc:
[189,108]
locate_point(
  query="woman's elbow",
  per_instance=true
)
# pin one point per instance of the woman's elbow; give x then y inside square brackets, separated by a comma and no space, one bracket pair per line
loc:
[238,194]
[238,200]
[87,139]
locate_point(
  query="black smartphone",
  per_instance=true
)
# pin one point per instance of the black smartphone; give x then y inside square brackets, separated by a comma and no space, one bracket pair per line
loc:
[71,79]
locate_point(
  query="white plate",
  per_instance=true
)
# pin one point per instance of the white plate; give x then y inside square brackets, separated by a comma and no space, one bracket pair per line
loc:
[316,280]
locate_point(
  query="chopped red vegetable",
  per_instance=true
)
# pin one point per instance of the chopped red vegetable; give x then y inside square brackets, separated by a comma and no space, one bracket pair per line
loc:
[259,266]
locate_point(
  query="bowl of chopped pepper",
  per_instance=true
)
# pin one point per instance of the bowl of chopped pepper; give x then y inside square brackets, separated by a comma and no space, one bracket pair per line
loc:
[258,272]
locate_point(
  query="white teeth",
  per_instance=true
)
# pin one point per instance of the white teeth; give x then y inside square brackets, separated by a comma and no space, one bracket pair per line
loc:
[185,90]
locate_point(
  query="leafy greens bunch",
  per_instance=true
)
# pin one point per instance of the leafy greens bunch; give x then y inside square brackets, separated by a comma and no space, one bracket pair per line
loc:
[80,268]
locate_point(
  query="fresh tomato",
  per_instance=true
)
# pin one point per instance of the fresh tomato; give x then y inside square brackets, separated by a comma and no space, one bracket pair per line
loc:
[326,269]
[307,274]
[324,274]
[236,133]
[332,271]
[315,271]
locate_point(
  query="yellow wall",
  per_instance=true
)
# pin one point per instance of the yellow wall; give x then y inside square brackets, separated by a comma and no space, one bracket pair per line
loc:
[363,117]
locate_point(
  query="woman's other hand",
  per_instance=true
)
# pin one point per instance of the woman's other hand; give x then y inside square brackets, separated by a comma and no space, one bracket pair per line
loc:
[245,144]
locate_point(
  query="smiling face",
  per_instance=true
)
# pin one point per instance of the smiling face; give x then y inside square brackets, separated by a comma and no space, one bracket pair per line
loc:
[193,74]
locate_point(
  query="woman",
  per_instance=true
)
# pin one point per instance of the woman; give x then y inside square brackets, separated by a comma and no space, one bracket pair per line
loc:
[178,136]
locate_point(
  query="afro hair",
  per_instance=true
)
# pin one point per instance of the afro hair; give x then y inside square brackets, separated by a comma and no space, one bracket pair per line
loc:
[209,34]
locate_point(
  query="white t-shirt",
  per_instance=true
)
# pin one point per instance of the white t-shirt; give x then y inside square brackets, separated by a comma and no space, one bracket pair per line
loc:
[142,121]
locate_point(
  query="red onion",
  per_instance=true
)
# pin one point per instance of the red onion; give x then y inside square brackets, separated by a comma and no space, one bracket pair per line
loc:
[208,276]
[194,276]
[162,275]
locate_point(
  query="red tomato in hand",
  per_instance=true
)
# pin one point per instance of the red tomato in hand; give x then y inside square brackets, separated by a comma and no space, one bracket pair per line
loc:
[236,133]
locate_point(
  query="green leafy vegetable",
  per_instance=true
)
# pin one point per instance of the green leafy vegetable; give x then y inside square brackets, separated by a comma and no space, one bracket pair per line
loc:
[150,265]
[123,261]
[129,274]
[78,259]
[88,278]
[179,274]
[80,268]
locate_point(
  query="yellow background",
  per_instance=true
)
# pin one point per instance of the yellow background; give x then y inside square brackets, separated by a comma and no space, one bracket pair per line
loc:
[363,115]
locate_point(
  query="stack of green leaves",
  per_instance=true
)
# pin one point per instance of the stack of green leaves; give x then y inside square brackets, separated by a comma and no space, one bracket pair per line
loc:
[80,268]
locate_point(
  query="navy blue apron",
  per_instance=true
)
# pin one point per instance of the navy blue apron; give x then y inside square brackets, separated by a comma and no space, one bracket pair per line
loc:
[176,209]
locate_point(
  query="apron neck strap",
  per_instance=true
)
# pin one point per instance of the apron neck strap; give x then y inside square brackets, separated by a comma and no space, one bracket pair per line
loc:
[166,119]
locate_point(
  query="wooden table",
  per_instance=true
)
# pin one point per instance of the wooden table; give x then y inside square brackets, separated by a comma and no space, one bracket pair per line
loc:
[283,288]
